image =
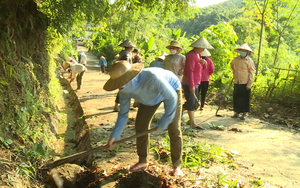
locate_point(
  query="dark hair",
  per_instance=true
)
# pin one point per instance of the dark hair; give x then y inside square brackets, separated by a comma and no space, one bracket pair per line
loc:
[135,50]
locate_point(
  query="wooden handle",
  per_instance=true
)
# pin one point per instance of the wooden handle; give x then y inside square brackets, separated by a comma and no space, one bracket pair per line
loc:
[80,155]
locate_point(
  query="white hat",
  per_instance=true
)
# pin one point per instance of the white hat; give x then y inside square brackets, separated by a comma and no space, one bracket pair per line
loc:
[205,53]
[202,43]
[244,47]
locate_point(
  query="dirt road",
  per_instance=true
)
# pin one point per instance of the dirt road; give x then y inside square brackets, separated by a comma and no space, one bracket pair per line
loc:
[264,150]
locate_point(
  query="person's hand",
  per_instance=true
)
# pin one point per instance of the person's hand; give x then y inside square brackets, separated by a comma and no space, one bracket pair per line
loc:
[110,144]
[159,129]
[192,90]
[247,88]
[203,61]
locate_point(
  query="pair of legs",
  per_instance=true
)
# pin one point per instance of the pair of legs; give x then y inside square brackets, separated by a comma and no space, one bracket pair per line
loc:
[142,124]
[241,100]
[191,104]
[102,68]
[79,80]
[203,91]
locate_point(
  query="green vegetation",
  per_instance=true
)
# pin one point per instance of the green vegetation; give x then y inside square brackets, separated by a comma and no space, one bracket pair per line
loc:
[38,35]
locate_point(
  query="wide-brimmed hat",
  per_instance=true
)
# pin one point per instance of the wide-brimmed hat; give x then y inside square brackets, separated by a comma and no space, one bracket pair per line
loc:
[121,73]
[175,43]
[244,47]
[201,43]
[102,57]
[66,64]
[127,43]
[116,56]
[205,53]
[81,53]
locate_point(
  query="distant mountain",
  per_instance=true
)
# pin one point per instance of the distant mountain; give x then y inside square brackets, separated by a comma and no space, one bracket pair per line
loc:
[210,15]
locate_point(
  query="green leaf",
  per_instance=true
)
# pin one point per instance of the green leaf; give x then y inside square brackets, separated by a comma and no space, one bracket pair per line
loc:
[8,141]
[150,43]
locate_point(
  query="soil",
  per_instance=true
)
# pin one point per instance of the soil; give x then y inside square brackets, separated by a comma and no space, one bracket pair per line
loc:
[263,151]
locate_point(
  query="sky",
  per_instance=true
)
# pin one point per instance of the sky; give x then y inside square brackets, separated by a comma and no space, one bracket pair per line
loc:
[204,3]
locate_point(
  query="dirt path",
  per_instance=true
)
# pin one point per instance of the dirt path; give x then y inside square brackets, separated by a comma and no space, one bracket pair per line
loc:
[264,150]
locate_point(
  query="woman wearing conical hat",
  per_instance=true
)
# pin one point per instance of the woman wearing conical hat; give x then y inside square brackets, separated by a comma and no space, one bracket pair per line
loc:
[175,61]
[243,74]
[206,73]
[192,77]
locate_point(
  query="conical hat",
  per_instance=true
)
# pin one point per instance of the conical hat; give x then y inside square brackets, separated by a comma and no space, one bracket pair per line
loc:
[121,73]
[202,43]
[127,43]
[244,47]
[175,43]
[205,53]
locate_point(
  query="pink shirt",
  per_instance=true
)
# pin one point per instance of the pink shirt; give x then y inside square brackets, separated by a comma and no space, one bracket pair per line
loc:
[206,72]
[193,69]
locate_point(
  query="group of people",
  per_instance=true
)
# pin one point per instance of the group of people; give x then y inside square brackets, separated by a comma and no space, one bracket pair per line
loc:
[76,69]
[163,82]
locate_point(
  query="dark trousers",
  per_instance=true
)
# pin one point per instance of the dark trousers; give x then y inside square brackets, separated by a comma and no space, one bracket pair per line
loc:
[203,91]
[241,98]
[143,121]
[191,103]
[79,79]
[102,67]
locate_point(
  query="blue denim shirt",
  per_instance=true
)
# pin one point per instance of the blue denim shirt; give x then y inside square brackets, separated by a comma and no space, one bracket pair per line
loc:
[152,86]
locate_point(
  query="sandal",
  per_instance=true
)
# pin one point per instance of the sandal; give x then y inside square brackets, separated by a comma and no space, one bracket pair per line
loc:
[243,118]
[235,116]
[138,166]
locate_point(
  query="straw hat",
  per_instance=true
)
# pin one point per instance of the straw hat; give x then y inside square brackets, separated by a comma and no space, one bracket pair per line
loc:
[116,56]
[102,57]
[175,43]
[66,64]
[205,53]
[244,47]
[121,73]
[202,43]
[127,43]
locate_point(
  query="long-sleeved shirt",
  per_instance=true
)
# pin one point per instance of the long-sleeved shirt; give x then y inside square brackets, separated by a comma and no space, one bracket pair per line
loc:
[193,69]
[152,86]
[102,61]
[76,69]
[175,63]
[243,70]
[208,70]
